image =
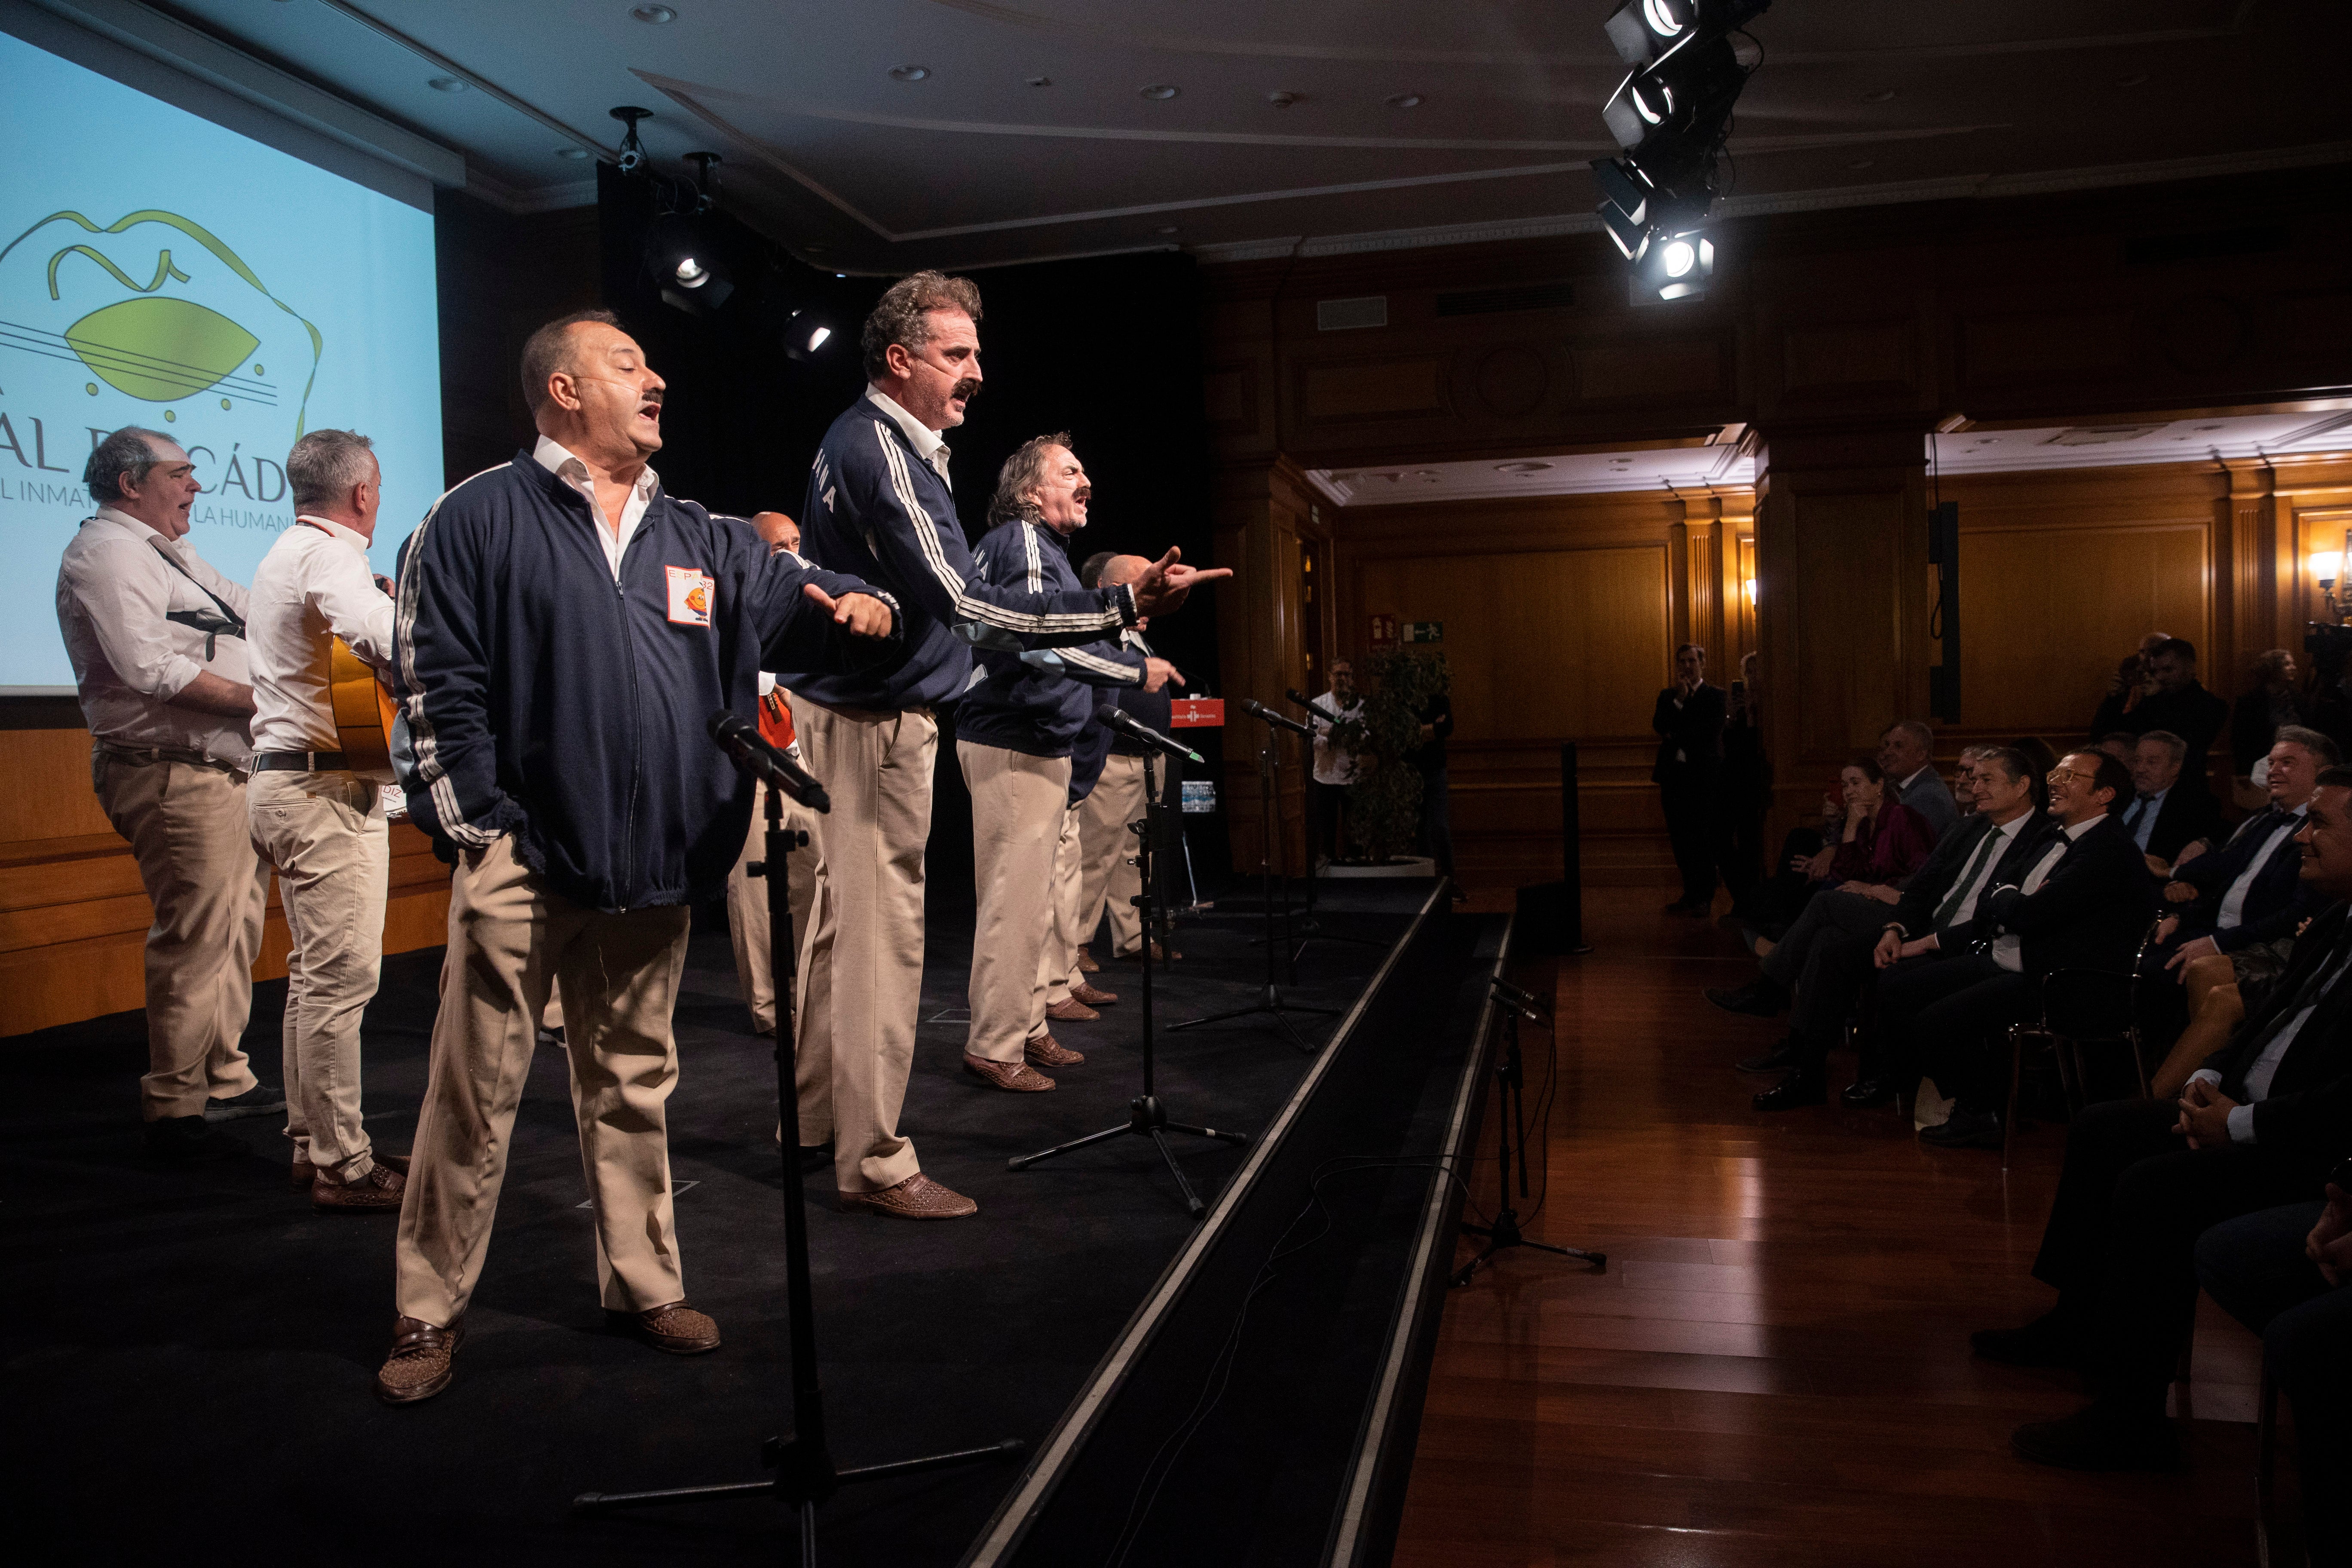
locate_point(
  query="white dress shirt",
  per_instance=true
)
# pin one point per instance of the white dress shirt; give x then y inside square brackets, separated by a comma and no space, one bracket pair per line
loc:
[1333,766]
[313,586]
[2007,948]
[927,443]
[556,460]
[115,586]
[2234,902]
[1994,845]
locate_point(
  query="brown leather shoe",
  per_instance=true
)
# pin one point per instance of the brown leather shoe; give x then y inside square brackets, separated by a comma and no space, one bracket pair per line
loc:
[1045,1051]
[677,1327]
[1158,954]
[1018,1076]
[1070,1010]
[916,1197]
[305,1173]
[378,1192]
[421,1363]
[1086,964]
[1094,996]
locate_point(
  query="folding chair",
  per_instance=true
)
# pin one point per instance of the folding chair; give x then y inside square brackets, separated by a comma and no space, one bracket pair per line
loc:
[2066,1048]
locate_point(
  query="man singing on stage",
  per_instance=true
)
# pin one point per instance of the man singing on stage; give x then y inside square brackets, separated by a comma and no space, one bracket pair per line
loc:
[880,505]
[564,629]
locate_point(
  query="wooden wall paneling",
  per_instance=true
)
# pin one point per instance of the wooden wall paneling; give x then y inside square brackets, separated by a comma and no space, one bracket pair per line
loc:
[2249,547]
[1261,513]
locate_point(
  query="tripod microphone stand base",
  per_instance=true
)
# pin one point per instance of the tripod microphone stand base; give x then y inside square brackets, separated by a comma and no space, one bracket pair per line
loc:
[1504,1234]
[1271,1005]
[1146,1118]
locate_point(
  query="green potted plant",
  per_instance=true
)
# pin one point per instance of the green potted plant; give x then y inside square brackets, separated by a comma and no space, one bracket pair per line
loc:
[1384,800]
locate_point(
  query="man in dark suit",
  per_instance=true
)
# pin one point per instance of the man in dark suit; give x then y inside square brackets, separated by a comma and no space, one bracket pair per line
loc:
[2171,808]
[2180,703]
[1992,845]
[2259,1125]
[2085,904]
[1689,721]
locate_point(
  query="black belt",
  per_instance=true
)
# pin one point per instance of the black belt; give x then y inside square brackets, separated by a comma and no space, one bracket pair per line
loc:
[299,763]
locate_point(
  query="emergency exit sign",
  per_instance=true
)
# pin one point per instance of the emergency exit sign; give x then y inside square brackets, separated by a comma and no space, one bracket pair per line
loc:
[1421,631]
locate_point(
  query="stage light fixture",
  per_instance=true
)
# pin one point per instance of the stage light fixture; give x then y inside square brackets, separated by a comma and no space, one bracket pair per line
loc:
[804,332]
[1674,267]
[632,157]
[1642,29]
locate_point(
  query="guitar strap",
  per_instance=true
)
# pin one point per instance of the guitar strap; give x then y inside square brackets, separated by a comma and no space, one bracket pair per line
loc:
[227,624]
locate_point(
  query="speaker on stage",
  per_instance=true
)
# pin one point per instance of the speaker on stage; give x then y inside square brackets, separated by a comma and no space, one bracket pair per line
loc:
[1552,914]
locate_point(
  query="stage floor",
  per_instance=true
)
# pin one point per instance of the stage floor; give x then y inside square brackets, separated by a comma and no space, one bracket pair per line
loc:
[188,1353]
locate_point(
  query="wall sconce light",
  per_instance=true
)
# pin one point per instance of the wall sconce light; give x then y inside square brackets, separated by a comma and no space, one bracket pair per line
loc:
[2327,565]
[1747,591]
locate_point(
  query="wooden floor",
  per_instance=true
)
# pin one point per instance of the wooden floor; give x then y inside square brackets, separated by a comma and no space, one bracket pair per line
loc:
[1774,1370]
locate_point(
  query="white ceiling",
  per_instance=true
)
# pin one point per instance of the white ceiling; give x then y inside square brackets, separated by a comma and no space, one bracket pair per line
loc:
[1719,463]
[1858,101]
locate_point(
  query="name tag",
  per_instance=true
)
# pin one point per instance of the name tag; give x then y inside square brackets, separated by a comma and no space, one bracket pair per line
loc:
[689,596]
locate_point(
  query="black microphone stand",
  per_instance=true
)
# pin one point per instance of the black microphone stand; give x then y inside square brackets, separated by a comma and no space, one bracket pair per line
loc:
[1271,1003]
[806,1473]
[1146,1117]
[1510,1083]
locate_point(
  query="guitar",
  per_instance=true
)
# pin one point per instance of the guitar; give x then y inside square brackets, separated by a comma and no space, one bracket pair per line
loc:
[363,713]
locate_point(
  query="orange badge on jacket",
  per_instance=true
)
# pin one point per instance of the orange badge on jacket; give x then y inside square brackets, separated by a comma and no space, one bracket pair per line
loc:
[690,592]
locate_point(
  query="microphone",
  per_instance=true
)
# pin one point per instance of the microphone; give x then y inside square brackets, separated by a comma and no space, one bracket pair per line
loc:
[1278,720]
[740,739]
[1311,705]
[1127,725]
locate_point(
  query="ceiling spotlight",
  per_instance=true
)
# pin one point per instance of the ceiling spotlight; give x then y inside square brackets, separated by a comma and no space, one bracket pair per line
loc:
[632,150]
[1041,81]
[909,73]
[1405,100]
[572,154]
[1642,30]
[1677,267]
[1283,98]
[1161,91]
[1165,229]
[654,16]
[804,332]
[690,273]
[446,84]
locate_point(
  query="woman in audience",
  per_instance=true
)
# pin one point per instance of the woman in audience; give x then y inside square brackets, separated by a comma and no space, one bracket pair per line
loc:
[1879,842]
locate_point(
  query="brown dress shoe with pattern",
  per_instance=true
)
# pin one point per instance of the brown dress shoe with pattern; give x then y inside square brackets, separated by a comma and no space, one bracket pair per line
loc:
[916,1197]
[305,1173]
[1094,996]
[1019,1077]
[421,1362]
[1045,1051]
[677,1327]
[1070,1010]
[378,1192]
[1087,965]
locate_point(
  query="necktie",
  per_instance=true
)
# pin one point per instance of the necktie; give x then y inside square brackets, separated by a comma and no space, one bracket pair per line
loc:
[2140,806]
[2306,996]
[1967,878]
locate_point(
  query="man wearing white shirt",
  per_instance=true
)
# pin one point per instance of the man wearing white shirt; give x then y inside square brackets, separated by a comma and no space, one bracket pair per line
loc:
[318,819]
[157,641]
[1335,769]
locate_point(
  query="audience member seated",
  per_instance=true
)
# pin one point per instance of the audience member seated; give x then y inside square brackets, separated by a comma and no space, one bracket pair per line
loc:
[2085,905]
[2260,1125]
[1964,795]
[1995,846]
[2175,702]
[2170,809]
[2266,703]
[1879,843]
[2246,897]
[1906,755]
[2286,1273]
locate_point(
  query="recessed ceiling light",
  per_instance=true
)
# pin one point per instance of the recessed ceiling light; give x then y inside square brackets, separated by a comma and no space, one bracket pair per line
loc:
[1405,100]
[1041,81]
[1283,98]
[572,154]
[446,84]
[1859,163]
[1165,229]
[1161,91]
[1881,96]
[655,15]
[2137,80]
[1521,469]
[909,73]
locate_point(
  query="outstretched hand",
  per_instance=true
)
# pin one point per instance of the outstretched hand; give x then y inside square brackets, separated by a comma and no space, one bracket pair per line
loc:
[1161,590]
[1158,672]
[863,613]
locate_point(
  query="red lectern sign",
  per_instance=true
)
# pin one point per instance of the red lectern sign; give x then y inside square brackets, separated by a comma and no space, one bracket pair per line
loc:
[1197,713]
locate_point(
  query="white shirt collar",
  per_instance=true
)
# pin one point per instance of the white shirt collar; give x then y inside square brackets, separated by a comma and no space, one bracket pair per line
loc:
[1903,785]
[925,441]
[122,519]
[343,531]
[557,459]
[2080,829]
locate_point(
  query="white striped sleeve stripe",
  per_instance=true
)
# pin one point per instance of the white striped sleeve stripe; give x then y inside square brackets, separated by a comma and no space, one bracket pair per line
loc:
[1036,567]
[926,539]
[423,744]
[1124,673]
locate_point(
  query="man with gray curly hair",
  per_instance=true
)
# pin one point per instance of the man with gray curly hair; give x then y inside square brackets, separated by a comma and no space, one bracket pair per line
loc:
[157,640]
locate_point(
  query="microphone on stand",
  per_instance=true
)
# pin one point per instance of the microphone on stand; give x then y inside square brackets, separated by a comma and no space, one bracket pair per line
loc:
[1279,722]
[742,740]
[1127,725]
[1311,705]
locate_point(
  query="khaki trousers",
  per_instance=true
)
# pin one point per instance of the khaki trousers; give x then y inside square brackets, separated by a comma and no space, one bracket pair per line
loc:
[188,827]
[1058,959]
[1108,855]
[325,834]
[510,940]
[747,907]
[1018,805]
[861,984]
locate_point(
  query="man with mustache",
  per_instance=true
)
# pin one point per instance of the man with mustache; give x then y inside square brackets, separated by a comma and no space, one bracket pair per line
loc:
[562,631]
[881,505]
